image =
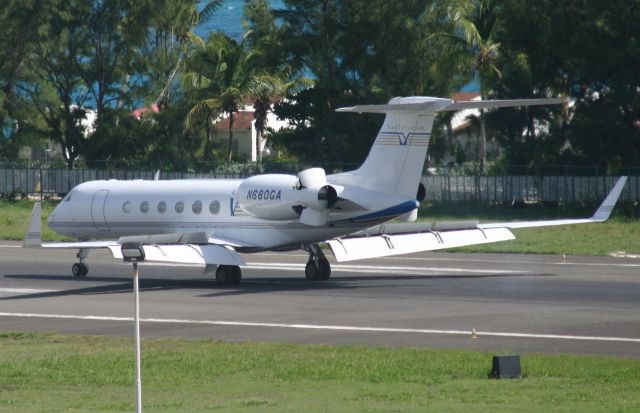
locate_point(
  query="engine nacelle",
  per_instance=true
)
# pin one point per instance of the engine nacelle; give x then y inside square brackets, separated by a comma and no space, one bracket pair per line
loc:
[280,197]
[269,196]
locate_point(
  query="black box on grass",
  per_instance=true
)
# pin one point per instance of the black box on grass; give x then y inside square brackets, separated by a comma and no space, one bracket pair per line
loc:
[506,367]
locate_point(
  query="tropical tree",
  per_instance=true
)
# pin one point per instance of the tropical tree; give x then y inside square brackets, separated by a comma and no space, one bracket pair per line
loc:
[359,51]
[221,76]
[476,23]
[265,90]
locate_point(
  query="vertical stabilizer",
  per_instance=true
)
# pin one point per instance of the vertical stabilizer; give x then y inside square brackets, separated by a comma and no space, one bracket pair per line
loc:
[395,162]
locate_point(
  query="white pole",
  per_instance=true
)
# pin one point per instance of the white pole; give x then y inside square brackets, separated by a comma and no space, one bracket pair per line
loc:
[137,338]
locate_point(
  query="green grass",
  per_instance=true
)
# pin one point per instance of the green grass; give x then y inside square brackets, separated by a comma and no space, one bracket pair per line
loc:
[618,234]
[14,218]
[53,373]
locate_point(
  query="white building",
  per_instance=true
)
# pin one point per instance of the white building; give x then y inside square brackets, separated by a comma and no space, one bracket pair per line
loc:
[244,131]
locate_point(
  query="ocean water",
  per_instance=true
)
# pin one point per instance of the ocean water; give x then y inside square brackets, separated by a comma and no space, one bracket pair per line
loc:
[228,19]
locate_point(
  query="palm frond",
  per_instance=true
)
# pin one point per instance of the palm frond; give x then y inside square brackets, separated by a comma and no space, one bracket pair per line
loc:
[209,10]
[204,109]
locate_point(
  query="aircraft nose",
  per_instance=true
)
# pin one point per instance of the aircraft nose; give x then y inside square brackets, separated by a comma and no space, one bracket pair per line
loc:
[53,217]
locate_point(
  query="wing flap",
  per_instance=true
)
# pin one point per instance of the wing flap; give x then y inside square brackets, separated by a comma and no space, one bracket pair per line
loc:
[209,254]
[357,248]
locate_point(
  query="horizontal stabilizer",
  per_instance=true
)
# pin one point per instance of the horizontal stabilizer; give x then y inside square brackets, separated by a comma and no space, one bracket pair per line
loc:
[487,104]
[349,249]
[436,105]
[187,254]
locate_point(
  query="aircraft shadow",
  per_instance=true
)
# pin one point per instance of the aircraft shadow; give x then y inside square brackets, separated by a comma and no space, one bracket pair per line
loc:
[118,285]
[249,285]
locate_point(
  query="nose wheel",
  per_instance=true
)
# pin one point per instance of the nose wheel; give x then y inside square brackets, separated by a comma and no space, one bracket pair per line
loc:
[80,269]
[318,267]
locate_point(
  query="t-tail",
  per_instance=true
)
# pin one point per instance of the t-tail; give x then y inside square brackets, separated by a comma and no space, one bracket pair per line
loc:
[394,164]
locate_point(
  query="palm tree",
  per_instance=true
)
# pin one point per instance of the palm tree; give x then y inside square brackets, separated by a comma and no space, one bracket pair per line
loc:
[476,24]
[222,74]
[267,89]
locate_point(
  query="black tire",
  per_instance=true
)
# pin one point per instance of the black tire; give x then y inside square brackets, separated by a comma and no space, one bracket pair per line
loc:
[324,270]
[237,275]
[77,270]
[85,269]
[228,274]
[311,271]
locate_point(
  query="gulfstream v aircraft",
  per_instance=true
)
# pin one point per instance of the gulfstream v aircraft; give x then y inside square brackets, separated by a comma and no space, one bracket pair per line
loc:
[209,222]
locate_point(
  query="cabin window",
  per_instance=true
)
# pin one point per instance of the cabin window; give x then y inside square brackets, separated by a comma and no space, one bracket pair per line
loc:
[144,207]
[127,206]
[214,207]
[162,207]
[196,207]
[179,207]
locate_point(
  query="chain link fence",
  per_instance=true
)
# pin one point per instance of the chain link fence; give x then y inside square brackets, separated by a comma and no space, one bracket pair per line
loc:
[514,188]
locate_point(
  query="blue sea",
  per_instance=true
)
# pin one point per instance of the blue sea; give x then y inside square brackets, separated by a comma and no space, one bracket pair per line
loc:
[228,19]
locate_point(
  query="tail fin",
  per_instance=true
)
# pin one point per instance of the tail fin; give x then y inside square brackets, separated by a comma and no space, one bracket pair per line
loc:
[395,162]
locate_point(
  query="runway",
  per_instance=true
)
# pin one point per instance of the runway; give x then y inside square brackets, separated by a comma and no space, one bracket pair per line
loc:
[514,303]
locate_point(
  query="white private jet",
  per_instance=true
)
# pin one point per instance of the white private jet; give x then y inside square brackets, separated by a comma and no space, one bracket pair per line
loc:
[208,222]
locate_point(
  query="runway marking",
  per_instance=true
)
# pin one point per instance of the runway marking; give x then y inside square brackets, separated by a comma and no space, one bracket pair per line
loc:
[26,290]
[10,246]
[325,327]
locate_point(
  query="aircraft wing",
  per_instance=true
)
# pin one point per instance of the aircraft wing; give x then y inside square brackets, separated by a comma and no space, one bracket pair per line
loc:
[395,239]
[185,248]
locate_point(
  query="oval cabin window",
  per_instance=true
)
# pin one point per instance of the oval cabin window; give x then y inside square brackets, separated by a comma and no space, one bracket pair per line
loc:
[196,207]
[179,207]
[126,207]
[144,207]
[162,207]
[214,207]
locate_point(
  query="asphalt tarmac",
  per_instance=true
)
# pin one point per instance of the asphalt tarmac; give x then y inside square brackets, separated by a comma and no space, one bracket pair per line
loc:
[514,303]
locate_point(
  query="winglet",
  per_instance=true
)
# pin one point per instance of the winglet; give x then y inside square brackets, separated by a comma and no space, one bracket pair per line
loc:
[32,238]
[605,209]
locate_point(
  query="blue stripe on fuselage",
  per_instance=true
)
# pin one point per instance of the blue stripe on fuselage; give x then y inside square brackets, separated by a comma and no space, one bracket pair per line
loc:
[393,211]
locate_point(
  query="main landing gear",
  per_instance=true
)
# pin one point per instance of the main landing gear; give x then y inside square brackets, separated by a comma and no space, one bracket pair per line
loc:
[317,268]
[228,274]
[80,269]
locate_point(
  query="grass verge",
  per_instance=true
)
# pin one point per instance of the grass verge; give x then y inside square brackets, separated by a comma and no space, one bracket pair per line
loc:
[54,373]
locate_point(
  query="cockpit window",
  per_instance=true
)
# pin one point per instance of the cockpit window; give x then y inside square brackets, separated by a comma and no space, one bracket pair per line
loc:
[67,197]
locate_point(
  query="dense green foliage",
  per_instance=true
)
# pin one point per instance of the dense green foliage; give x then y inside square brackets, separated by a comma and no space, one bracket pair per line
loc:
[60,60]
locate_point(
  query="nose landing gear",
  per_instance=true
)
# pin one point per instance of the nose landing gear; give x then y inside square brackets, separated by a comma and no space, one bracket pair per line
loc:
[80,269]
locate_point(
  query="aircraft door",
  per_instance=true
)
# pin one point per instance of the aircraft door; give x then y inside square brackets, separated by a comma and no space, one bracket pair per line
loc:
[97,210]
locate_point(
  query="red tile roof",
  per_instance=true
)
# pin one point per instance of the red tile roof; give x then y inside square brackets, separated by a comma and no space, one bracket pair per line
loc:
[464,96]
[242,121]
